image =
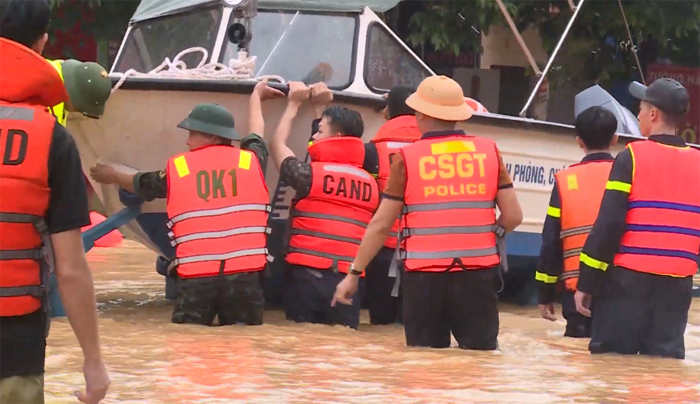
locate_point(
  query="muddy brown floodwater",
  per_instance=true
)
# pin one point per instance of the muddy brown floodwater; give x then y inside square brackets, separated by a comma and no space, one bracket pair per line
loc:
[151,360]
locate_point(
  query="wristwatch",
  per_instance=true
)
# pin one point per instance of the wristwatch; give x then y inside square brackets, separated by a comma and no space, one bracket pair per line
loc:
[353,271]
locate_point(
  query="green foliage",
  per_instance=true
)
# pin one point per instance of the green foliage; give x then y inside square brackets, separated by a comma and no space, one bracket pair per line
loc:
[110,21]
[597,47]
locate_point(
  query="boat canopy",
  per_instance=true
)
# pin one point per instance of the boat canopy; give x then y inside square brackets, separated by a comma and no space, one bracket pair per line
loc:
[149,9]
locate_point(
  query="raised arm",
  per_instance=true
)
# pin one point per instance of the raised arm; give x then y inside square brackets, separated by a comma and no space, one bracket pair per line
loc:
[298,93]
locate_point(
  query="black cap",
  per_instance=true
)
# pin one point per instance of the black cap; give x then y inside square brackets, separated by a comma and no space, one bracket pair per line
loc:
[666,94]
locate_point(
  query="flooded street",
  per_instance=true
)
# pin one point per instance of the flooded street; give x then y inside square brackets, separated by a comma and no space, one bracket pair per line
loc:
[151,360]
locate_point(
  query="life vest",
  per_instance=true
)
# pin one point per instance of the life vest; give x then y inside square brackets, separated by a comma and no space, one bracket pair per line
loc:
[449,216]
[28,84]
[581,188]
[663,218]
[392,136]
[218,207]
[327,226]
[59,110]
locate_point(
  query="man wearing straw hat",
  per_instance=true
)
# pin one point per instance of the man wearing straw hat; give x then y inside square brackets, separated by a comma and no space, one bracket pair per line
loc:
[446,186]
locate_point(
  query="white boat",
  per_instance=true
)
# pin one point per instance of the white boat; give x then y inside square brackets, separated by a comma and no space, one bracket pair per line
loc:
[343,43]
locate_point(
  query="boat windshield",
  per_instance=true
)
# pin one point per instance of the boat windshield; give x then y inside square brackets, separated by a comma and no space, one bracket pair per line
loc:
[301,46]
[150,42]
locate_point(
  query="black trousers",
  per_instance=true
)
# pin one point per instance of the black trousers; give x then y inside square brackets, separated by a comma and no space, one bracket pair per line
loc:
[308,294]
[577,325]
[383,308]
[464,303]
[641,313]
[236,298]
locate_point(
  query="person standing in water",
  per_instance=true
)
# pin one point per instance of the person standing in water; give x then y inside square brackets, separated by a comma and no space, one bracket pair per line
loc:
[384,272]
[334,201]
[446,186]
[573,207]
[639,260]
[218,206]
[43,206]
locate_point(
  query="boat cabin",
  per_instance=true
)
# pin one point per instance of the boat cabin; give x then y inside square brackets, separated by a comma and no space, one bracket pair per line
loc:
[342,43]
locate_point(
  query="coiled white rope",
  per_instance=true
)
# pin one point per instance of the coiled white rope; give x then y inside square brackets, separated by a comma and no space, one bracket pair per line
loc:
[242,68]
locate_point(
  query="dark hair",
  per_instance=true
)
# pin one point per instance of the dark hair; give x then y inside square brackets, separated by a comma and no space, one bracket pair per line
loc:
[596,127]
[346,121]
[675,121]
[396,101]
[24,21]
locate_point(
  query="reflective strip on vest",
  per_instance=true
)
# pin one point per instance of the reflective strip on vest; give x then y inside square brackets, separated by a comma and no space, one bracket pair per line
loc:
[347,170]
[575,231]
[430,231]
[334,257]
[216,257]
[217,234]
[325,216]
[218,212]
[429,207]
[468,253]
[326,236]
[569,275]
[17,114]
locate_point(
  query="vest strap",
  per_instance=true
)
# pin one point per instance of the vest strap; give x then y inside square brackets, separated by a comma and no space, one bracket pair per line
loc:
[333,257]
[19,218]
[325,236]
[574,252]
[432,255]
[218,234]
[16,291]
[429,207]
[219,212]
[430,231]
[325,216]
[33,254]
[575,231]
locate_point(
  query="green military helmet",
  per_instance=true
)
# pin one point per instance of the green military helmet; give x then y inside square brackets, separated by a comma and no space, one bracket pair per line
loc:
[212,119]
[88,86]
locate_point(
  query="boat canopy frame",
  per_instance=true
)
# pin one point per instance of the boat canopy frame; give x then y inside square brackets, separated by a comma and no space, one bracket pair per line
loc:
[150,9]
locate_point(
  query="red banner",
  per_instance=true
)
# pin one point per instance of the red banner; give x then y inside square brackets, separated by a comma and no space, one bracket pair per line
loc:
[690,78]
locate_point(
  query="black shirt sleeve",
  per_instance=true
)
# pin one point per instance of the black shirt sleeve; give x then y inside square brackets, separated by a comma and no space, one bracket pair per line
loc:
[297,174]
[371,163]
[604,240]
[68,203]
[551,254]
[255,144]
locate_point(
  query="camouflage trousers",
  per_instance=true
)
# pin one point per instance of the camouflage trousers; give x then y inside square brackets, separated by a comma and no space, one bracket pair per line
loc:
[236,298]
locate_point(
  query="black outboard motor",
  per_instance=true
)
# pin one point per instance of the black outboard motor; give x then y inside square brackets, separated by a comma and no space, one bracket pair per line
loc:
[595,96]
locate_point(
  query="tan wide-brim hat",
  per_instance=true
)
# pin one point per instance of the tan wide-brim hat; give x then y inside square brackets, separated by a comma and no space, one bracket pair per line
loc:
[441,98]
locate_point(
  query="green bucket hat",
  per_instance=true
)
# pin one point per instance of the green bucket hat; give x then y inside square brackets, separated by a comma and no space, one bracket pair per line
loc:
[212,119]
[88,86]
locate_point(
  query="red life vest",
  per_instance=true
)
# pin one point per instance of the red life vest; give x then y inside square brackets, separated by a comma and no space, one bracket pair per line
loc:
[449,215]
[581,189]
[218,207]
[663,217]
[28,84]
[328,225]
[392,136]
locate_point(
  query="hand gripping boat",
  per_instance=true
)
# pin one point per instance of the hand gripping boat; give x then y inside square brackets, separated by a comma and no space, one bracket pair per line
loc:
[178,53]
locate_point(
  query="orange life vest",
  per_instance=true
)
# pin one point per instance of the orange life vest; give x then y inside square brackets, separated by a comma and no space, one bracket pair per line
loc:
[327,226]
[218,207]
[663,218]
[581,189]
[449,216]
[28,85]
[392,136]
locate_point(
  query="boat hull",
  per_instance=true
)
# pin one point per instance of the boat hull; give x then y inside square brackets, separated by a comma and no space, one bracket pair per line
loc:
[138,133]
